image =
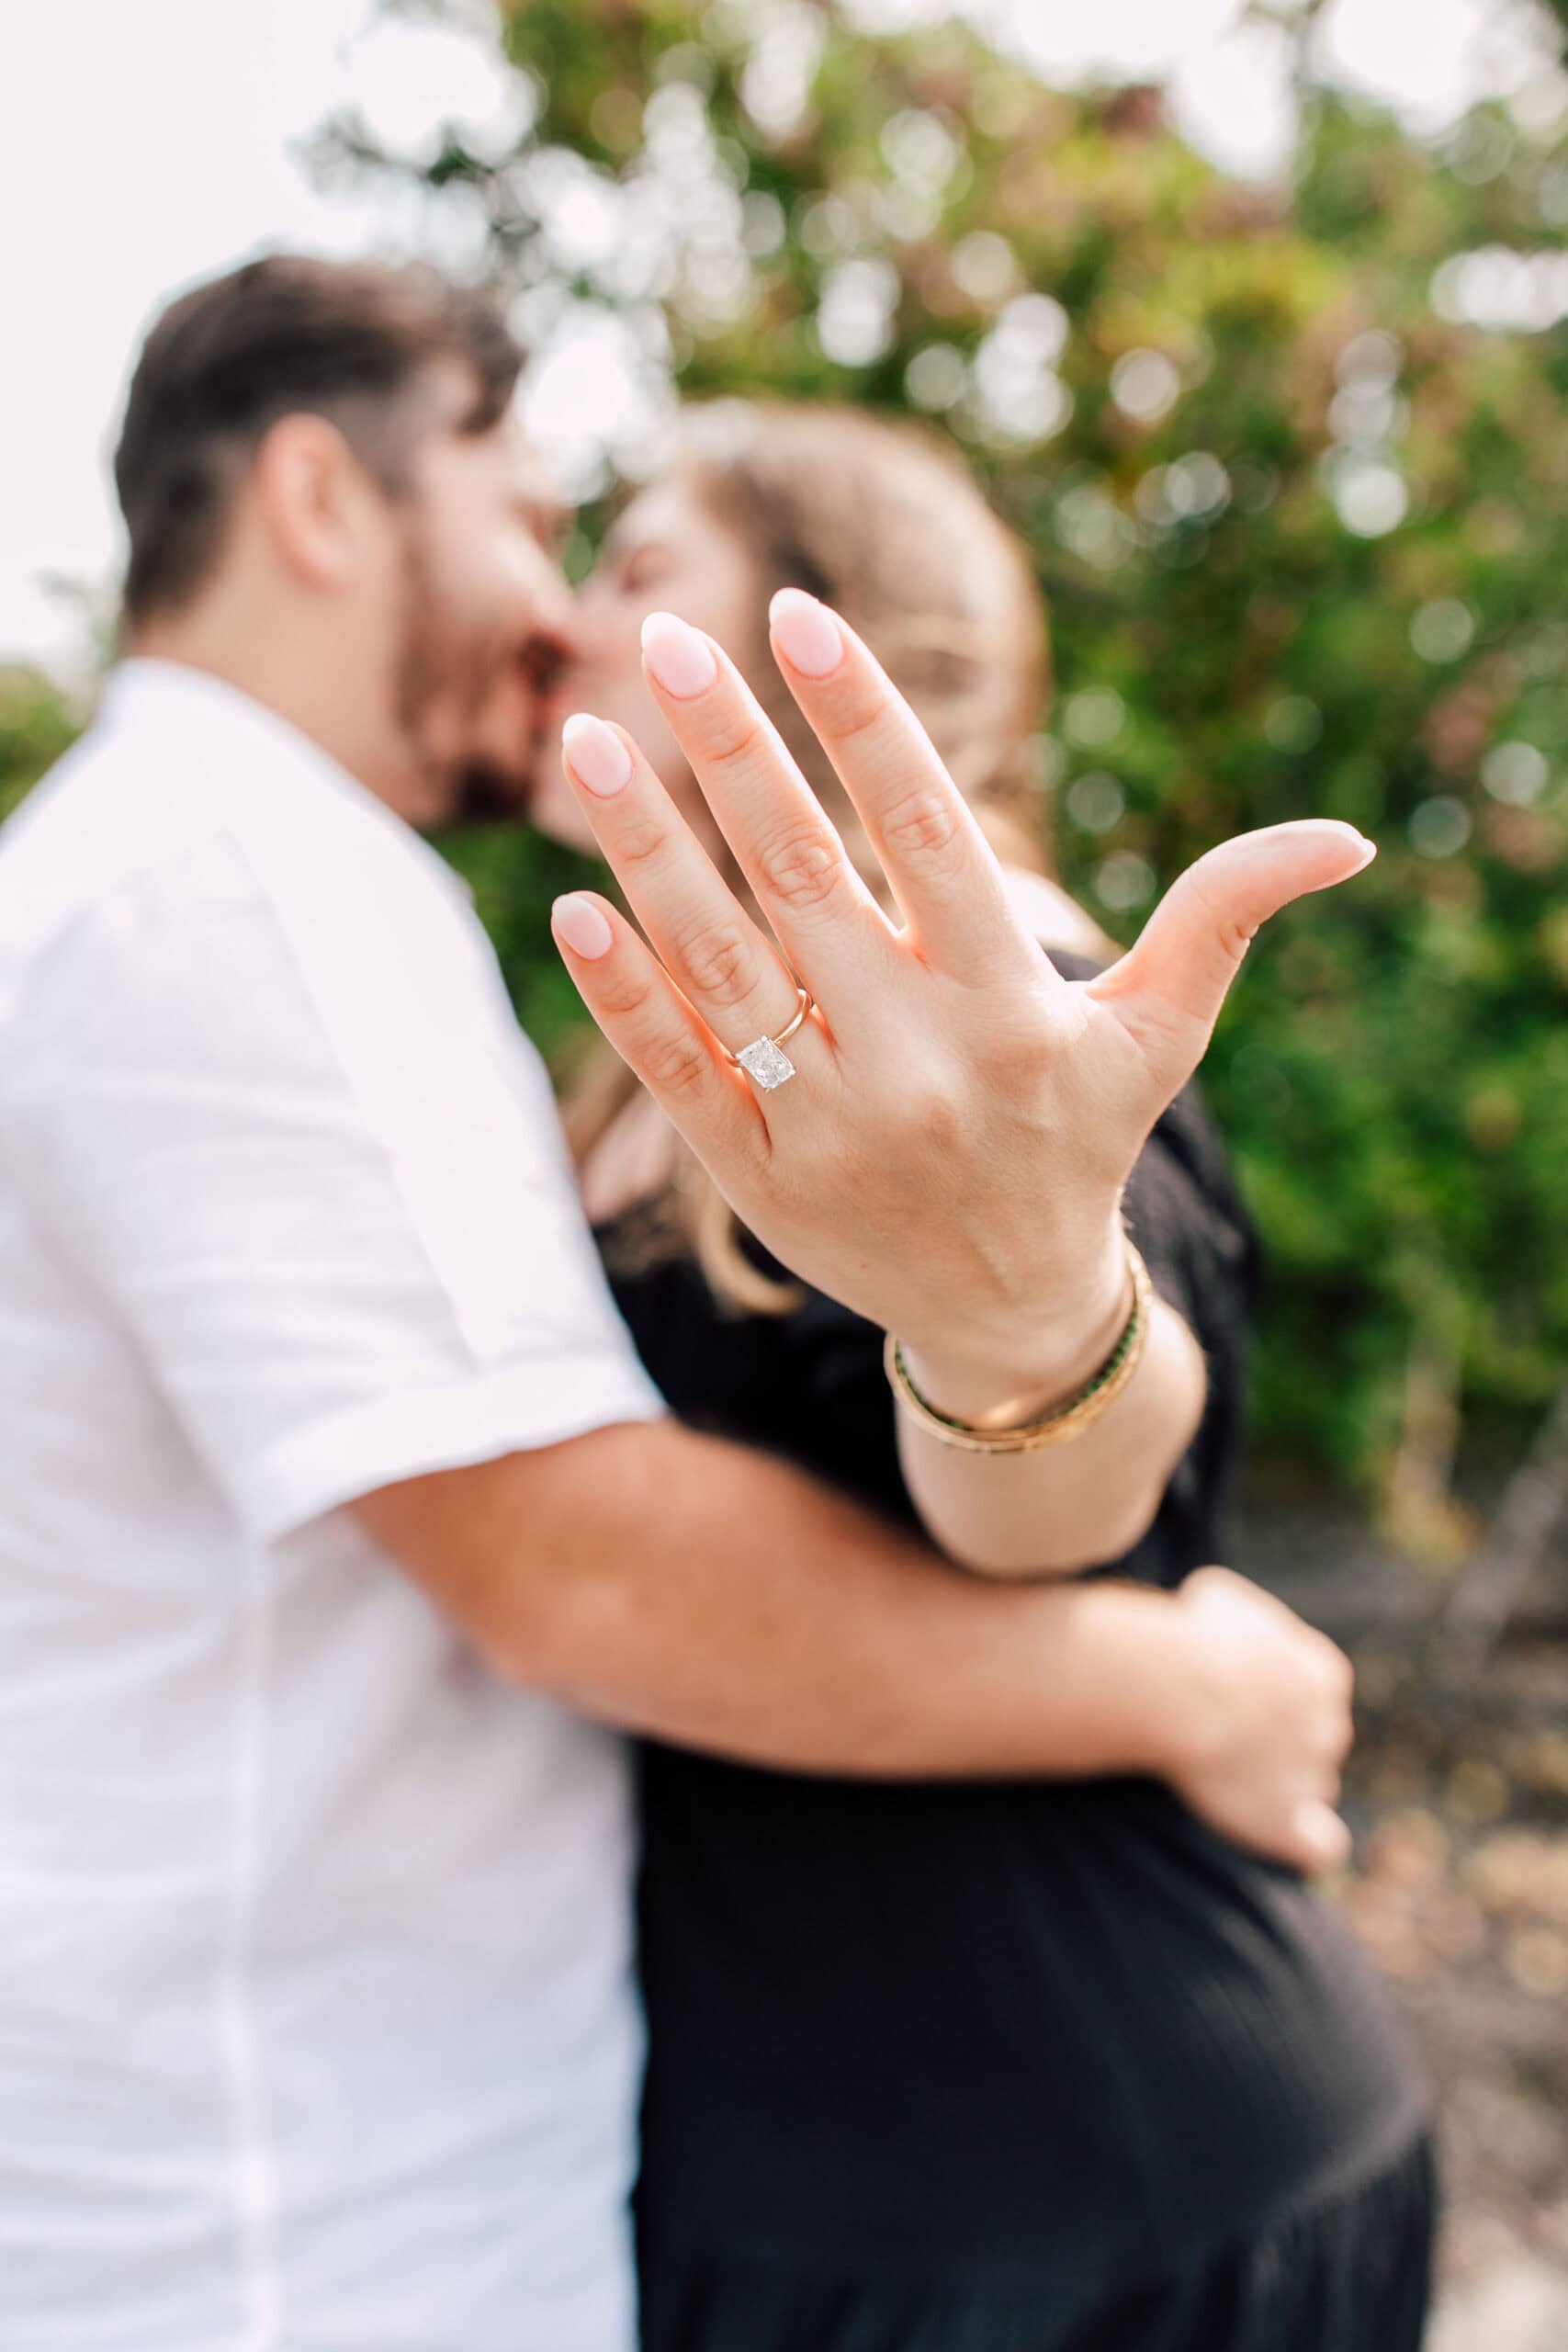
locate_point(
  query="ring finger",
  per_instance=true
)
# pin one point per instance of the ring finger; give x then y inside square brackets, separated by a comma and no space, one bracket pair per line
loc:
[718,956]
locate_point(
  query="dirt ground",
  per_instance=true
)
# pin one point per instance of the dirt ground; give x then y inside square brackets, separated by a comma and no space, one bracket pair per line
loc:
[1460,1893]
[1458,1795]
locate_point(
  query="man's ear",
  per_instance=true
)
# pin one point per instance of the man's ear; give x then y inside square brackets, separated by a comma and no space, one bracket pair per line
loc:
[321,508]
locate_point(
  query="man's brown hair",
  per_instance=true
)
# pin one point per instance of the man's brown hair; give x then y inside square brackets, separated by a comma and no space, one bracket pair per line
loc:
[345,339]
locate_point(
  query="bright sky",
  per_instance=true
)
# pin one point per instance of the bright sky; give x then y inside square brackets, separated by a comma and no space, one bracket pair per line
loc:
[144,146]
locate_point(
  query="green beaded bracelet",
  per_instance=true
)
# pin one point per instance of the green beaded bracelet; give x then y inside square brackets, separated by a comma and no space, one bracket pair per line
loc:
[1069,1419]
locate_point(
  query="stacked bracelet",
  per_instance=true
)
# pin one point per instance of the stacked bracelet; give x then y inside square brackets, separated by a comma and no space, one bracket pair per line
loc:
[1069,1419]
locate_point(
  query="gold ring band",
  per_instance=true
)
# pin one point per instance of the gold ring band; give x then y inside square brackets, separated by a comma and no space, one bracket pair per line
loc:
[801,1010]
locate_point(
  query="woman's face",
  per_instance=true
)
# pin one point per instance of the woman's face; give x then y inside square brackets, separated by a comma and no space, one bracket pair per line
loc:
[667,553]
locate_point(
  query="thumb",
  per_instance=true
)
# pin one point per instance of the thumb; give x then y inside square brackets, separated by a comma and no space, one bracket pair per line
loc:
[1173,981]
[1322,1840]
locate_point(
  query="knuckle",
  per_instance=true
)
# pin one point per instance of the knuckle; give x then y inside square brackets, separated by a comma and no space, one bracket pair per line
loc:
[1338,1674]
[640,839]
[675,1063]
[800,868]
[715,960]
[623,993]
[923,826]
[929,1113]
[731,738]
[861,712]
[1024,1047]
[1333,1732]
[1233,931]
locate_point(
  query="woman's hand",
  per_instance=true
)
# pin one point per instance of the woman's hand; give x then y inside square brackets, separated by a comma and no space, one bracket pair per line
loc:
[950,1159]
[1262,1721]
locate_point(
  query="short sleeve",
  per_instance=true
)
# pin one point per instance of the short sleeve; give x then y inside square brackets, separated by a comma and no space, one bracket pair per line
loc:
[313,1170]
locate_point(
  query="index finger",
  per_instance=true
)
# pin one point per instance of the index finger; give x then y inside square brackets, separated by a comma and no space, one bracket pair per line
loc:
[942,869]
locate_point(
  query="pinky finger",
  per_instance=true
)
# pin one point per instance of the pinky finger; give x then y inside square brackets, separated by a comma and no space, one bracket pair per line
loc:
[659,1037]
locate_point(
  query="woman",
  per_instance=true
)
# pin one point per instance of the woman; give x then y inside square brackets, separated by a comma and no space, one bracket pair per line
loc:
[1013,2069]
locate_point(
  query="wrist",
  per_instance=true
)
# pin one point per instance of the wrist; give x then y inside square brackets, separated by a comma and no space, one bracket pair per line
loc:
[1194,1722]
[1131,1648]
[1020,1372]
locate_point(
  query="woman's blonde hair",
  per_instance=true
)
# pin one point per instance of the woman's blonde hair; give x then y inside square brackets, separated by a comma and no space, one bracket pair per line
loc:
[883,521]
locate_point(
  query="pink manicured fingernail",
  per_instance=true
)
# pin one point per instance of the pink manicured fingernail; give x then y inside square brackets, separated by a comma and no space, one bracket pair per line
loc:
[596,756]
[682,661]
[805,633]
[1371,850]
[579,924]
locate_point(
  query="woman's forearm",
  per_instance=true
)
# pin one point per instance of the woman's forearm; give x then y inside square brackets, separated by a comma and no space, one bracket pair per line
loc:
[1068,1506]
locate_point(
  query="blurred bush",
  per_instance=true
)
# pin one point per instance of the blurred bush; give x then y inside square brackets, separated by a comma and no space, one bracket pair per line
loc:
[1293,466]
[37,722]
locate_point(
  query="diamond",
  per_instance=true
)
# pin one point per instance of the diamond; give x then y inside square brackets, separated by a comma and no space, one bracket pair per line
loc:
[767,1063]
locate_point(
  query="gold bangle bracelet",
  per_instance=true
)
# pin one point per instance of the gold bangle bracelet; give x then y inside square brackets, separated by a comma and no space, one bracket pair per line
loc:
[1070,1418]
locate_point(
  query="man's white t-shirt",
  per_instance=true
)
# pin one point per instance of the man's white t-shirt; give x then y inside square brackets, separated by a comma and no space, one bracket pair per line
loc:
[317,2026]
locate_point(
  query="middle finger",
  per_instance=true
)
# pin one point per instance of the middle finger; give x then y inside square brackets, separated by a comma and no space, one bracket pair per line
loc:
[830,927]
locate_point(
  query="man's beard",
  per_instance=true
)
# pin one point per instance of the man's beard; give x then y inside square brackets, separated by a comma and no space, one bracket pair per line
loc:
[484,796]
[443,674]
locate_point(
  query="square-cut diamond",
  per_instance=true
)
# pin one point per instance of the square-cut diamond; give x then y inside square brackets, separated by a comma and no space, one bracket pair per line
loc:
[767,1063]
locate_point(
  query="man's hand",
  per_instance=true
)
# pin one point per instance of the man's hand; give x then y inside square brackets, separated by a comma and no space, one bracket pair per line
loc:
[1266,1724]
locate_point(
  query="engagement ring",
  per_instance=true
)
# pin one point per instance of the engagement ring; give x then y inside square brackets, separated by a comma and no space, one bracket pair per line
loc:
[765,1060]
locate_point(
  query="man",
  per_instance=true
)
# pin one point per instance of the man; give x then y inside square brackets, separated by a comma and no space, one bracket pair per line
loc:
[316,2021]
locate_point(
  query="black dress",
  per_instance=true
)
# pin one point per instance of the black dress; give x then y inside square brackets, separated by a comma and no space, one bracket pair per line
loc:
[1032,2067]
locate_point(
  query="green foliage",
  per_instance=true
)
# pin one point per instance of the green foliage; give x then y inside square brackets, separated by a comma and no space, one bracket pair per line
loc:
[1303,536]
[36,724]
[1230,650]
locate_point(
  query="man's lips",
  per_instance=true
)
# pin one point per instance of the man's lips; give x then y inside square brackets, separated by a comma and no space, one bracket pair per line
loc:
[542,663]
[552,706]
